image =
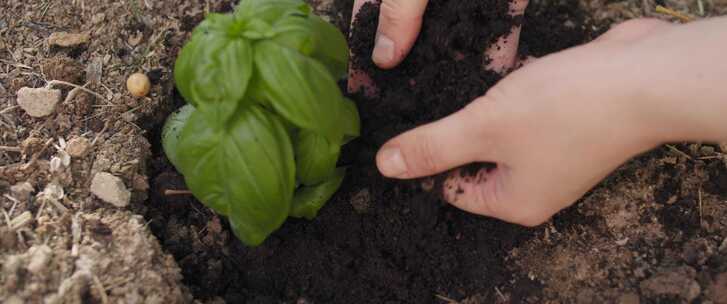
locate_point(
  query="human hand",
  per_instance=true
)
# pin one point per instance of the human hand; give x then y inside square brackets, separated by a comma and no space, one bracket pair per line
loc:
[562,123]
[399,24]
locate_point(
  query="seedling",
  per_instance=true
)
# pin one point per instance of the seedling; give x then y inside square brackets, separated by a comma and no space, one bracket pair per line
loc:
[260,137]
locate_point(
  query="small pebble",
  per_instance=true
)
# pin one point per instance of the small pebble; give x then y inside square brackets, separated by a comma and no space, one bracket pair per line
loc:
[21,191]
[361,201]
[138,84]
[64,39]
[136,38]
[77,147]
[110,189]
[38,102]
[39,257]
[677,282]
[629,298]
[14,300]
[723,247]
[98,18]
[706,151]
[140,183]
[94,70]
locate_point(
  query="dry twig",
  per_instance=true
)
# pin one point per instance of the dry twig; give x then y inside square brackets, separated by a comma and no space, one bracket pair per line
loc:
[670,12]
[171,192]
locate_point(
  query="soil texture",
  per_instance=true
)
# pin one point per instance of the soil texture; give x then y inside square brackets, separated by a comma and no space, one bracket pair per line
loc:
[654,232]
[377,240]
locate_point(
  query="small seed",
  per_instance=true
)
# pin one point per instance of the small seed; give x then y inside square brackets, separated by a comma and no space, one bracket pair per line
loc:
[138,84]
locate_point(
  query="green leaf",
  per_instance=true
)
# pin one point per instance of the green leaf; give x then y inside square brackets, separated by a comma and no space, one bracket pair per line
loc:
[246,171]
[315,157]
[316,38]
[308,200]
[184,68]
[270,10]
[172,130]
[213,70]
[331,48]
[299,88]
[350,121]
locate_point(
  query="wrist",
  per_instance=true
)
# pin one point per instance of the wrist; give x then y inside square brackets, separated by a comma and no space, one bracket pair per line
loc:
[679,80]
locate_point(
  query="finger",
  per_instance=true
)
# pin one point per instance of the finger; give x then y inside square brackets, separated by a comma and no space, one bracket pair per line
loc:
[499,193]
[525,61]
[634,29]
[399,25]
[504,52]
[358,80]
[357,4]
[458,139]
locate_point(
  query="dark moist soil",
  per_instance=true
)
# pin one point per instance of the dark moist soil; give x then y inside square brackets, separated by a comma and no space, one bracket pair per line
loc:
[377,240]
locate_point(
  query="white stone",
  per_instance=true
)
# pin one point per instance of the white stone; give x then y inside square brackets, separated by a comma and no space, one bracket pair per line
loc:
[723,147]
[22,190]
[110,189]
[38,102]
[39,257]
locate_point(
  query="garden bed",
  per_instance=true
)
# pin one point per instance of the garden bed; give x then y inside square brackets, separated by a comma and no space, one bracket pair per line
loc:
[655,230]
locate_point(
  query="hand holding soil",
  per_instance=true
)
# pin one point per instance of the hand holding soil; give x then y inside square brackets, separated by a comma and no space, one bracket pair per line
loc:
[561,124]
[399,24]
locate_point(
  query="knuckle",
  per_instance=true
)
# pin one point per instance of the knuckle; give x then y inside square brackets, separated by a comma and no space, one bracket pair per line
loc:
[397,11]
[490,198]
[493,201]
[427,159]
[518,7]
[487,203]
[487,112]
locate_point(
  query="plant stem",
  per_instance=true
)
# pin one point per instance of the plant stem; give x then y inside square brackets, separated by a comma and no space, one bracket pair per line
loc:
[171,192]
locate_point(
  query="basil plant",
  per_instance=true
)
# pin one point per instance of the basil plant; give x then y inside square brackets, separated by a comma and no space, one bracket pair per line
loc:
[265,120]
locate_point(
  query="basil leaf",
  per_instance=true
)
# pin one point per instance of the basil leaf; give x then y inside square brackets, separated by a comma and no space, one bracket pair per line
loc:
[315,157]
[213,70]
[270,10]
[308,200]
[172,130]
[245,171]
[299,88]
[198,160]
[295,33]
[314,37]
[350,121]
[331,48]
[184,67]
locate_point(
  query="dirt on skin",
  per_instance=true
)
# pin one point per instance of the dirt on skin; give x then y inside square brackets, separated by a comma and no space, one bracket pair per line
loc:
[653,232]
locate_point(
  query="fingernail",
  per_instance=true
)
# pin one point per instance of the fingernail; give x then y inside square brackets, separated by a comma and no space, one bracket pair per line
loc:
[392,162]
[384,49]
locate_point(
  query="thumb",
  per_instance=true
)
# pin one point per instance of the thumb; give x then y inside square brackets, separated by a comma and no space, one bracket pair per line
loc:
[501,193]
[399,25]
[453,141]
